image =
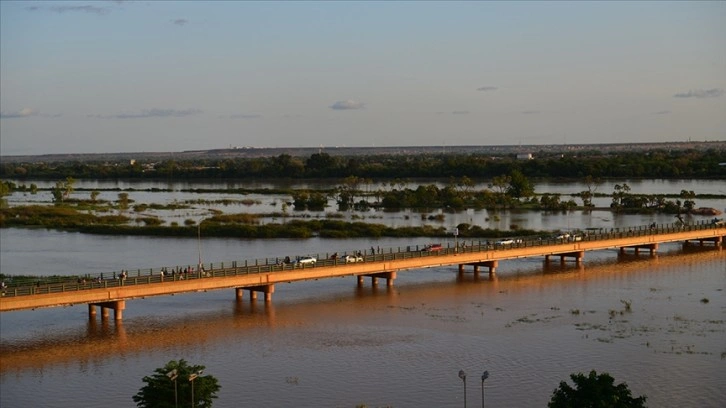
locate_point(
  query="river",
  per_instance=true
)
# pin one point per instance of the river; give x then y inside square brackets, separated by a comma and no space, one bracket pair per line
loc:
[329,343]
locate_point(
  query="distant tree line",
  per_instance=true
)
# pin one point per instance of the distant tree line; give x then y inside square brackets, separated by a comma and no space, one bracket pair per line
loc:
[653,164]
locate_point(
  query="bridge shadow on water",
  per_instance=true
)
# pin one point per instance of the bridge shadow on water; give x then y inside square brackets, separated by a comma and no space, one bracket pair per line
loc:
[96,339]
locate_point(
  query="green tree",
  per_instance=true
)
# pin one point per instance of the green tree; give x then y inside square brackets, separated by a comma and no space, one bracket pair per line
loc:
[171,386]
[688,200]
[5,188]
[592,184]
[620,196]
[63,189]
[68,187]
[520,186]
[94,195]
[347,192]
[57,192]
[123,201]
[594,391]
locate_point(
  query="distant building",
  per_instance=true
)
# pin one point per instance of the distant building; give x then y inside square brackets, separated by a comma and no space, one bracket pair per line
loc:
[132,162]
[525,156]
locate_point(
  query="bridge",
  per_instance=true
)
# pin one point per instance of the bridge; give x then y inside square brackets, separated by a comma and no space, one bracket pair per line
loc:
[261,277]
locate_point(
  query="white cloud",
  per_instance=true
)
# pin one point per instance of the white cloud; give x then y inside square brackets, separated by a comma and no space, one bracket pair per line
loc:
[151,113]
[242,116]
[701,93]
[82,9]
[22,113]
[347,105]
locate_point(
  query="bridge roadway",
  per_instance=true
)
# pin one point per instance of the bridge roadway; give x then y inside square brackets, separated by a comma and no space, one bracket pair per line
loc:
[112,294]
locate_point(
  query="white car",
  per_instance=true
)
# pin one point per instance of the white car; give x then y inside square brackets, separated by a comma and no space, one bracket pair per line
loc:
[352,259]
[307,260]
[508,241]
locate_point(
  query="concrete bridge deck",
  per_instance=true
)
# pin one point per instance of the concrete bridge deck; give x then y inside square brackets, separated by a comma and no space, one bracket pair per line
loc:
[112,293]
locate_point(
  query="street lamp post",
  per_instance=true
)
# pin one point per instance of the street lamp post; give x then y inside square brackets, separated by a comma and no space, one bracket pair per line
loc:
[193,377]
[199,245]
[484,376]
[462,375]
[172,376]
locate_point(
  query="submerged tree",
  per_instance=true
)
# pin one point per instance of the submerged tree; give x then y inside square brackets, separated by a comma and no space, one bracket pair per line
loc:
[173,385]
[63,189]
[594,391]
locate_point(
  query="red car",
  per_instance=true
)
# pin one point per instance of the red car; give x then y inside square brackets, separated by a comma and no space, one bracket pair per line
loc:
[432,248]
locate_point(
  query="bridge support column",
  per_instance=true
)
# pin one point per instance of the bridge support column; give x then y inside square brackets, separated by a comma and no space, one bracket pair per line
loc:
[118,307]
[268,290]
[578,255]
[390,276]
[118,310]
[476,271]
[238,292]
[652,248]
[492,265]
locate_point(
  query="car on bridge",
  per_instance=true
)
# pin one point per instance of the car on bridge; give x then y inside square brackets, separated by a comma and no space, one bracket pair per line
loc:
[306,260]
[507,242]
[432,248]
[352,258]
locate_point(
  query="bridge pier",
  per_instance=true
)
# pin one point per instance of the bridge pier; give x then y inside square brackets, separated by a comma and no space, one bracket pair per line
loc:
[578,255]
[492,265]
[118,307]
[388,276]
[653,248]
[268,290]
[717,241]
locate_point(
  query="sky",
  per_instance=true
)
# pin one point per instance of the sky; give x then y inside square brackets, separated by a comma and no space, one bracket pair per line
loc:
[165,76]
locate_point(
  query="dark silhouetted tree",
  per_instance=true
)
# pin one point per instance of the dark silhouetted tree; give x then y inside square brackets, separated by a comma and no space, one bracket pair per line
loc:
[160,391]
[594,391]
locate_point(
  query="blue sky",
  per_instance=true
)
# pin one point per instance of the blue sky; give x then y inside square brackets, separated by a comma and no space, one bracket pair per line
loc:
[127,76]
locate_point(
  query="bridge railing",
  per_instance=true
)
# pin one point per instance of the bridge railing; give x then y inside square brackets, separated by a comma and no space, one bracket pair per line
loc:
[59,284]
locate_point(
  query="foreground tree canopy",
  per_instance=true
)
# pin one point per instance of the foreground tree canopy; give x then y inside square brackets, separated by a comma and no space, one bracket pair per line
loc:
[171,386]
[594,391]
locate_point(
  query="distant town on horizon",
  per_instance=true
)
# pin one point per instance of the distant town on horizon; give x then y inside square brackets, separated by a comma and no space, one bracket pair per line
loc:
[250,152]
